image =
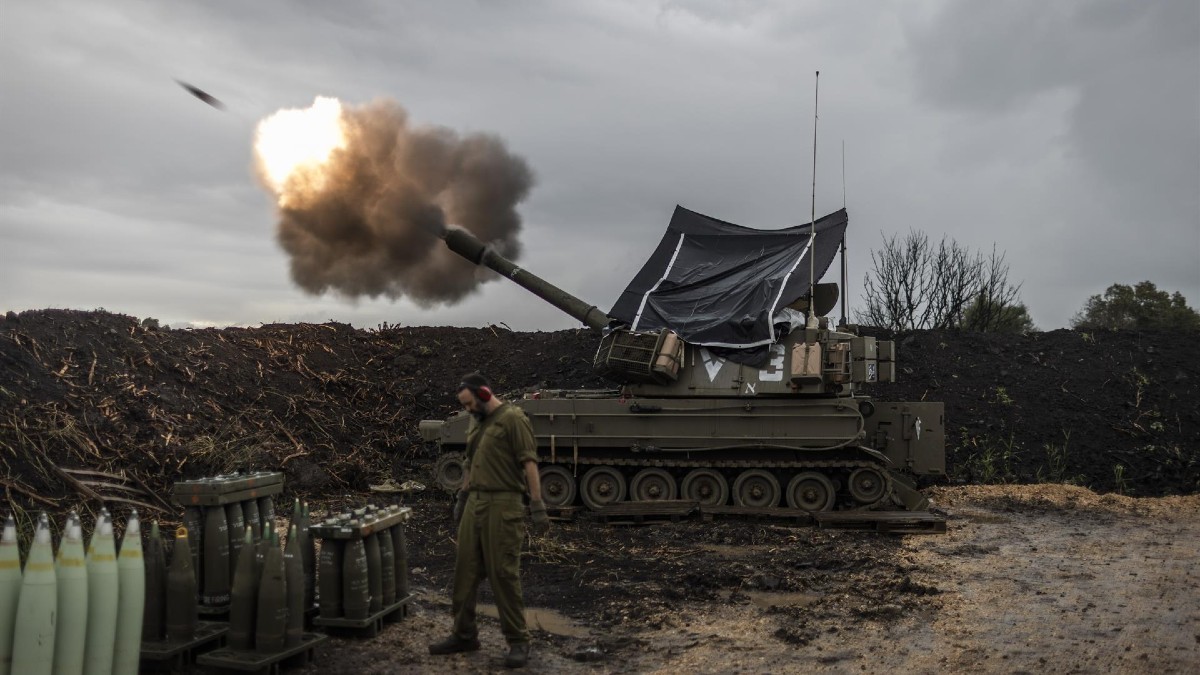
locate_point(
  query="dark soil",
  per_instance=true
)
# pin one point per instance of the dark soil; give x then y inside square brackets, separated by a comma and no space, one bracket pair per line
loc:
[337,408]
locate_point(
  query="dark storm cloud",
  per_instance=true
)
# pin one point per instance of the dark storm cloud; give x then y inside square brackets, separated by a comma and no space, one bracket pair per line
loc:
[370,230]
[1132,67]
[956,116]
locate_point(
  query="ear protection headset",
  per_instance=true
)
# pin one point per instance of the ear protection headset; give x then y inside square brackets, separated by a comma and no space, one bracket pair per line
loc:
[483,393]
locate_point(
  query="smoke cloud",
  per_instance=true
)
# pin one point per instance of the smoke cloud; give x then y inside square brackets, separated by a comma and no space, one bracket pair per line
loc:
[364,223]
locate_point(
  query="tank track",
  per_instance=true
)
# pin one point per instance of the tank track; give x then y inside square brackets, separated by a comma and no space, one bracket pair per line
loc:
[836,471]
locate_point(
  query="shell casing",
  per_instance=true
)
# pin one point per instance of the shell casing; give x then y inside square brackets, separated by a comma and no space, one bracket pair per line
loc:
[270,635]
[260,556]
[216,558]
[243,597]
[293,571]
[235,524]
[400,548]
[194,521]
[10,591]
[251,517]
[308,549]
[70,631]
[154,608]
[356,588]
[103,598]
[131,575]
[374,573]
[37,605]
[181,589]
[266,513]
[387,566]
[330,578]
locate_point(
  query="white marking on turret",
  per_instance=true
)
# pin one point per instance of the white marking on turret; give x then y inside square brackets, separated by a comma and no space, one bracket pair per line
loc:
[712,363]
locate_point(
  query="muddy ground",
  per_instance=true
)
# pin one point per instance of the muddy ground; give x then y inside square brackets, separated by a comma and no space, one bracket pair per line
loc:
[1034,578]
[1073,470]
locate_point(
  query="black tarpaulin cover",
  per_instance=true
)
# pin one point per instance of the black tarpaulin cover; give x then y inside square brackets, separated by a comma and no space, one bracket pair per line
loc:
[718,284]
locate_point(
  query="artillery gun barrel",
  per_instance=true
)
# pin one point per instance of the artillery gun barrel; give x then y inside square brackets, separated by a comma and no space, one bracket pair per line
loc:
[468,246]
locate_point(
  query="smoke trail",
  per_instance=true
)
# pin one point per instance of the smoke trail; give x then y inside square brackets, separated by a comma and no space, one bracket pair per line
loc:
[363,220]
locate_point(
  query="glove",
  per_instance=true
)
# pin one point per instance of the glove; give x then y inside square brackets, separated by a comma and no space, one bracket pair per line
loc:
[541,522]
[460,503]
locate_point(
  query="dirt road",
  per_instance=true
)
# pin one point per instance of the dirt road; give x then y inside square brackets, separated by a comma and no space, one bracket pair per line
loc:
[1043,578]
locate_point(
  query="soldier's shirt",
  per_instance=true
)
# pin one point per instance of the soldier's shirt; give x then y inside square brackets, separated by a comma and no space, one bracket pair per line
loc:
[497,449]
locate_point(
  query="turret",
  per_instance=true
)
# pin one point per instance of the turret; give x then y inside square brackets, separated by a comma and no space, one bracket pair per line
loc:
[809,361]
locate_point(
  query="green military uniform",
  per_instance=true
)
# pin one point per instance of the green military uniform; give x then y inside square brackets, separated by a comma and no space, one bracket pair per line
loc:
[493,522]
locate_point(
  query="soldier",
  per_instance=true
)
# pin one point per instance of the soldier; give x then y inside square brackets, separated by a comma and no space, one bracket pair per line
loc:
[489,508]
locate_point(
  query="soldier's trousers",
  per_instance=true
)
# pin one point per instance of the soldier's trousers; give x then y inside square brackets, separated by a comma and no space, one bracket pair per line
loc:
[489,547]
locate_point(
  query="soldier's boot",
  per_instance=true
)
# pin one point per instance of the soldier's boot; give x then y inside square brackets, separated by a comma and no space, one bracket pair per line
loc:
[454,645]
[518,655]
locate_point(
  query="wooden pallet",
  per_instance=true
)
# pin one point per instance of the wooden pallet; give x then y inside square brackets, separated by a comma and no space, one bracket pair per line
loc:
[178,656]
[249,660]
[639,513]
[899,522]
[796,516]
[563,513]
[367,627]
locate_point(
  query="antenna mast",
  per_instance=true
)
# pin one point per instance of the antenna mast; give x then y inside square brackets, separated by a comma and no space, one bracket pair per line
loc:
[812,228]
[845,270]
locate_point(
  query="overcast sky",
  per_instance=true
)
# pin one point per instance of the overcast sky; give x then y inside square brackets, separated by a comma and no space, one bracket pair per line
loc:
[1065,133]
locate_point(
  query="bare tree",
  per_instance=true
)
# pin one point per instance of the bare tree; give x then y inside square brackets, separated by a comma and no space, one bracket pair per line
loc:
[916,285]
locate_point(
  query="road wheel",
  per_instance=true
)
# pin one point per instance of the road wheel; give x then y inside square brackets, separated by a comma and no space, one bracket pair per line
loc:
[602,486]
[810,491]
[558,486]
[757,488]
[867,485]
[652,485]
[449,471]
[706,486]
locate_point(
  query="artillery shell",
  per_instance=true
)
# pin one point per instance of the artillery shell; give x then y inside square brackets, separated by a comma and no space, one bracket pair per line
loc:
[271,621]
[293,570]
[103,597]
[266,513]
[387,566]
[260,556]
[216,557]
[33,639]
[235,523]
[330,579]
[251,517]
[400,547]
[181,588]
[193,520]
[10,591]
[131,573]
[71,629]
[356,588]
[154,612]
[308,549]
[243,598]
[374,574]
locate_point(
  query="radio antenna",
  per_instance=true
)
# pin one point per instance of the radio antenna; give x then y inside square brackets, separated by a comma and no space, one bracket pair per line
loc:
[845,269]
[812,228]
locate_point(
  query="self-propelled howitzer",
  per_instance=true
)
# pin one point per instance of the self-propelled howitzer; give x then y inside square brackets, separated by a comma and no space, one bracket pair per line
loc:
[792,428]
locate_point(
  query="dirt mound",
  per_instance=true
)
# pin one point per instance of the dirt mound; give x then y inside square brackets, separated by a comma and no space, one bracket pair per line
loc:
[337,407]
